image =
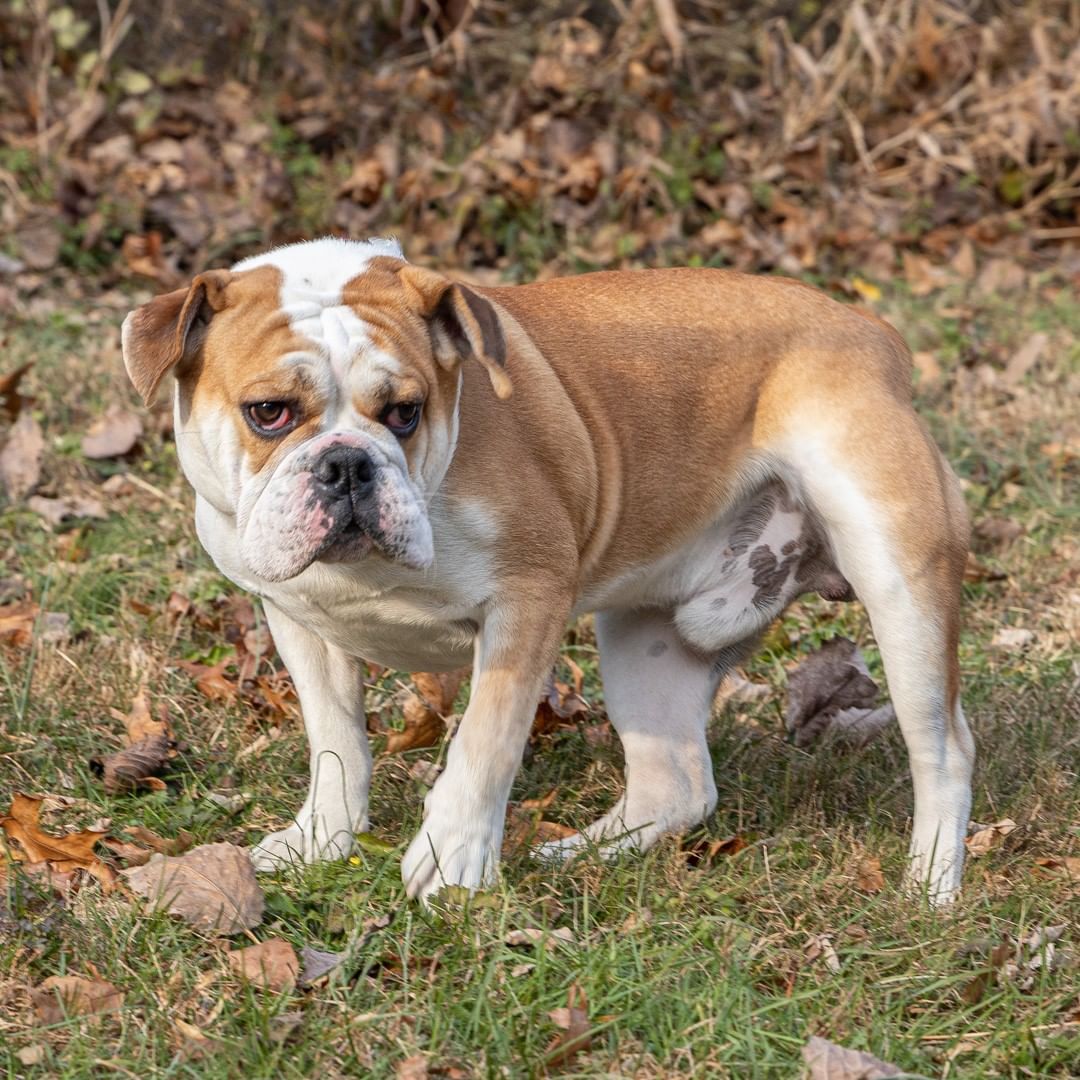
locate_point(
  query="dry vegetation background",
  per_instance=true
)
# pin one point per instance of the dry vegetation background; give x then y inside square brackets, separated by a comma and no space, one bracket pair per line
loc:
[921,157]
[910,136]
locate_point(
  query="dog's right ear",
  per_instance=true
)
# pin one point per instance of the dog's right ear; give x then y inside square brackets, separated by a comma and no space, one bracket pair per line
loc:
[169,330]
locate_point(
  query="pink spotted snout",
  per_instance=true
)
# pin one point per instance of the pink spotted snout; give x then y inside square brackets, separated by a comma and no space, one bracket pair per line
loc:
[337,498]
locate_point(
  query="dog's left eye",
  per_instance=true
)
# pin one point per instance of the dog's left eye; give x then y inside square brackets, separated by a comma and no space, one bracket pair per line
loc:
[402,418]
[270,417]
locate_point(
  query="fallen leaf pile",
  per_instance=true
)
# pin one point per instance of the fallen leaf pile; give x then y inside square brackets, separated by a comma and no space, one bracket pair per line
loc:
[651,131]
[1018,961]
[831,693]
[525,825]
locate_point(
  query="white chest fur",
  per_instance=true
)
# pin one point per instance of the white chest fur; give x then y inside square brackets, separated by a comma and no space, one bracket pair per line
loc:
[413,620]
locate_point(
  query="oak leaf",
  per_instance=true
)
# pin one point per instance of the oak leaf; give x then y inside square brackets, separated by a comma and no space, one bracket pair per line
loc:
[63,854]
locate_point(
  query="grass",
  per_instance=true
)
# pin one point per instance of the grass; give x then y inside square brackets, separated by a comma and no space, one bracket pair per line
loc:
[688,970]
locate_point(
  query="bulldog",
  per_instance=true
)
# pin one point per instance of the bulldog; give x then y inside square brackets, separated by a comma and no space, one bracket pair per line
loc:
[424,474]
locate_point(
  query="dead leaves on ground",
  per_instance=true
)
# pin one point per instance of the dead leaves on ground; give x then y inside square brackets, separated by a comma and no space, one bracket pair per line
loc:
[21,457]
[212,887]
[63,996]
[831,693]
[575,1029]
[984,838]
[59,859]
[825,1060]
[425,711]
[113,434]
[1015,960]
[562,702]
[269,965]
[150,745]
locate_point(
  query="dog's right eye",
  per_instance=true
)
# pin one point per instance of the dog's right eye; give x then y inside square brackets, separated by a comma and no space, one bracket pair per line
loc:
[270,417]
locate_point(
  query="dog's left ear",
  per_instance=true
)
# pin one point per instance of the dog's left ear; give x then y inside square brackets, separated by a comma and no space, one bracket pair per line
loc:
[463,323]
[169,330]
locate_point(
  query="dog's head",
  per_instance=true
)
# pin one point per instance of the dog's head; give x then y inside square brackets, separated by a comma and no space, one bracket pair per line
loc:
[317,396]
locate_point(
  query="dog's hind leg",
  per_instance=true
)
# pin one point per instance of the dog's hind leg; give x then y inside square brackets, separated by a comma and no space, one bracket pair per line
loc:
[895,521]
[659,696]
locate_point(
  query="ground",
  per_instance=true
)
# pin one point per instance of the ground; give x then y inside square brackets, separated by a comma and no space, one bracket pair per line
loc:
[693,961]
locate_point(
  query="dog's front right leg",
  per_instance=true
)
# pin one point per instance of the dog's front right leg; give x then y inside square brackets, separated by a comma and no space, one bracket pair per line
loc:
[464,813]
[330,685]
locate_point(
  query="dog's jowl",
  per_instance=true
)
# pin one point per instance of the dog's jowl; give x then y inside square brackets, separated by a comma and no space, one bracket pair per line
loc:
[372,445]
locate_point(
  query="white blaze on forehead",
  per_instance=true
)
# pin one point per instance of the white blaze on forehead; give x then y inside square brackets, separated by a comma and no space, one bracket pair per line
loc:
[313,275]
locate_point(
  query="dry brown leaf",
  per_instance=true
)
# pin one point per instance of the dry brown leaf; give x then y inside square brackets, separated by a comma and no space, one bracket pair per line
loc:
[317,963]
[56,511]
[133,768]
[831,692]
[439,690]
[140,723]
[11,401]
[60,996]
[987,837]
[212,887]
[425,712]
[820,947]
[192,1043]
[423,727]
[1012,638]
[975,571]
[150,746]
[1069,864]
[561,702]
[702,851]
[162,844]
[869,876]
[112,435]
[17,622]
[211,681]
[132,854]
[826,1061]
[576,1033]
[414,1067]
[20,457]
[270,965]
[1025,358]
[62,854]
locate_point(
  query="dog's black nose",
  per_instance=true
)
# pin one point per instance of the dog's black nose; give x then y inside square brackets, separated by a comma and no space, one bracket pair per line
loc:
[345,472]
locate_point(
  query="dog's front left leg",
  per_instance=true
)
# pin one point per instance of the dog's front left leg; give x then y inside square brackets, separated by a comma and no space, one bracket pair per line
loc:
[459,841]
[330,685]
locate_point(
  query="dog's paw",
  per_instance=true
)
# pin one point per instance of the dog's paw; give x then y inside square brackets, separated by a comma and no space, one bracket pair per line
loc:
[938,885]
[301,844]
[620,830]
[451,851]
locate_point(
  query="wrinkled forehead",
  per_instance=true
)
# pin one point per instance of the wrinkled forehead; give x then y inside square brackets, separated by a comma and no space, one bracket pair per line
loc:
[324,294]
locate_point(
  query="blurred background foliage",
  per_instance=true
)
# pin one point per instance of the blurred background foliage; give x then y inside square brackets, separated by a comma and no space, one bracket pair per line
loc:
[146,140]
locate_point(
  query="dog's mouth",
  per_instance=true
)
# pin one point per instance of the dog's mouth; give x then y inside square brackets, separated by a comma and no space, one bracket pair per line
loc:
[348,541]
